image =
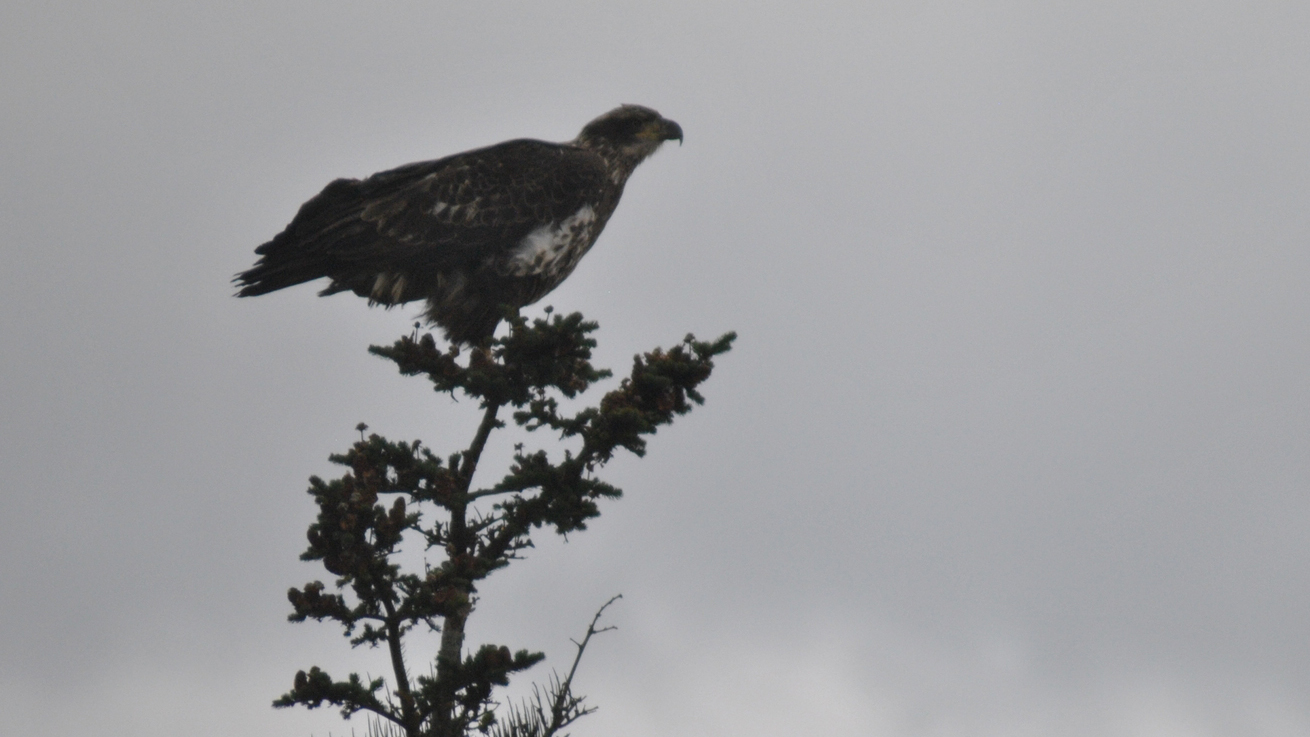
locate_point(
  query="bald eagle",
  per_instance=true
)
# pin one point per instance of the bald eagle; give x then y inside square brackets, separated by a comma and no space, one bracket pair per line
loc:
[474,234]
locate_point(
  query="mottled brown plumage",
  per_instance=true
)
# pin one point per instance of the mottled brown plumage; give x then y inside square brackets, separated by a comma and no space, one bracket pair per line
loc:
[474,233]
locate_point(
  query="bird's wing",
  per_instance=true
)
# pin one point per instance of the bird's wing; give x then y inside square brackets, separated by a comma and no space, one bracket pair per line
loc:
[450,211]
[453,212]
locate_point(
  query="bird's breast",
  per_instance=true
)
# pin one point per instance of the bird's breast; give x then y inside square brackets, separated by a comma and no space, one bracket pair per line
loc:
[553,249]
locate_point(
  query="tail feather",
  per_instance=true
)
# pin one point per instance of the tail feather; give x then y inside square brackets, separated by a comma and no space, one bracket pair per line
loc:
[304,251]
[270,275]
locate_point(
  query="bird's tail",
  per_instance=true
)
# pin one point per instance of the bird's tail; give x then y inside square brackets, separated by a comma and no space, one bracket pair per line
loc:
[302,252]
[273,272]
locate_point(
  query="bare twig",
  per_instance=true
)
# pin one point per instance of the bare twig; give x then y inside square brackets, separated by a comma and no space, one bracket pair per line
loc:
[582,646]
[532,719]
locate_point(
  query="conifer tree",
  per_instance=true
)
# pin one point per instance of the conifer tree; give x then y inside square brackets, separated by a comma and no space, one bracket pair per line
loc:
[395,493]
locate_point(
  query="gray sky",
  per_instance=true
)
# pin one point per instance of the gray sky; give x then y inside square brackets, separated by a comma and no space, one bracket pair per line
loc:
[1014,440]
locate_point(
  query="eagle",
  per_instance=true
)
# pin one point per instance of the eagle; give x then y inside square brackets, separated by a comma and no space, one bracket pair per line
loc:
[477,235]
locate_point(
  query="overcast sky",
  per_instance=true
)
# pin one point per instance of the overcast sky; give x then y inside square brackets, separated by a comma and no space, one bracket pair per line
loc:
[1013,442]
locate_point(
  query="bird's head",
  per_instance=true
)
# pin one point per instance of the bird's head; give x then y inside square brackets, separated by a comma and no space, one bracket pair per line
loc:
[631,131]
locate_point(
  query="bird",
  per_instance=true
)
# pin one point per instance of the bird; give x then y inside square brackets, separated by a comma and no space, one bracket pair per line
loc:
[478,234]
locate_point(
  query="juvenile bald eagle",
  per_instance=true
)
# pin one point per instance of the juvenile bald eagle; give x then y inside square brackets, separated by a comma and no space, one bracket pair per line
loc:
[474,233]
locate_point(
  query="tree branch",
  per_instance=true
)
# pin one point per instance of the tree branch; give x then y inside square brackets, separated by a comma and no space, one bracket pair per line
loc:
[410,715]
[563,698]
[470,463]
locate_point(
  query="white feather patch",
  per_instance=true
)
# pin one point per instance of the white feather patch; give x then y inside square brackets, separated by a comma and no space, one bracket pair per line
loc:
[388,288]
[554,246]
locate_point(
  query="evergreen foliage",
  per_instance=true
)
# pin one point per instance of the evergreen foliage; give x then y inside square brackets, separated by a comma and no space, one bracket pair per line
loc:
[392,488]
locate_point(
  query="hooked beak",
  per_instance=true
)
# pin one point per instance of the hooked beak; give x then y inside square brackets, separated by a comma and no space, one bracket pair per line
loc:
[661,130]
[670,131]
